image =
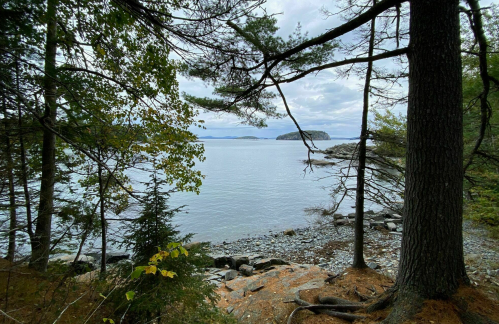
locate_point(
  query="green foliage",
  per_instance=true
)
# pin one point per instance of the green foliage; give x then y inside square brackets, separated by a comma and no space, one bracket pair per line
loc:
[483,206]
[178,293]
[481,180]
[389,133]
[118,104]
[238,89]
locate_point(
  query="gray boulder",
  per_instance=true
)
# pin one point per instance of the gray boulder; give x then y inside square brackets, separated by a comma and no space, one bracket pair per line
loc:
[231,274]
[238,260]
[246,270]
[267,263]
[219,261]
[391,226]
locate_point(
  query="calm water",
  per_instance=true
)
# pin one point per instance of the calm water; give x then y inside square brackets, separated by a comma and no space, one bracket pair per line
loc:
[251,187]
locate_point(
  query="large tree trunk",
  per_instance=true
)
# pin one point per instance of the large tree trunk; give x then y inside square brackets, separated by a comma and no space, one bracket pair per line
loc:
[431,261]
[358,255]
[40,244]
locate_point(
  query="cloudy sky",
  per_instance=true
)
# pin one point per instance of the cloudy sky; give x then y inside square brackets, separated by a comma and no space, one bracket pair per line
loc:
[318,102]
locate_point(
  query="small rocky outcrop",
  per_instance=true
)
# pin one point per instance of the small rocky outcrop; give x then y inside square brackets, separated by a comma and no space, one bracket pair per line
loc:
[319,162]
[348,151]
[227,268]
[267,296]
[386,219]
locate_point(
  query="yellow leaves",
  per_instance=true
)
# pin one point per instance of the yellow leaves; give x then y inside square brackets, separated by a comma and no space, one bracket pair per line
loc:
[100,50]
[151,269]
[160,256]
[166,273]
[176,249]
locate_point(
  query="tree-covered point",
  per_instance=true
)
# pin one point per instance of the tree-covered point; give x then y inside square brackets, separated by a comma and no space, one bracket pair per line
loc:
[247,137]
[316,136]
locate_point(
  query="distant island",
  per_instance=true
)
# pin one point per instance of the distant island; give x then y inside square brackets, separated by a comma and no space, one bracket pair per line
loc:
[232,137]
[316,136]
[248,137]
[217,137]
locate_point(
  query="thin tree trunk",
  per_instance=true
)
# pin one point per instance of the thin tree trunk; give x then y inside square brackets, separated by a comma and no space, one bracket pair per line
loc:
[432,262]
[24,168]
[156,210]
[41,240]
[102,217]
[358,255]
[12,195]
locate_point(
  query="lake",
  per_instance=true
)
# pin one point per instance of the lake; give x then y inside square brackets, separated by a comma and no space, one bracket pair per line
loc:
[252,187]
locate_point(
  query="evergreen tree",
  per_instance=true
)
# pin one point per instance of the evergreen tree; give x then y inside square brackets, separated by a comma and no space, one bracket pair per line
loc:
[177,294]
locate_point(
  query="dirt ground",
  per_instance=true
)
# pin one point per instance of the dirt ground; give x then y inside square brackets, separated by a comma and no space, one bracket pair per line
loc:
[272,303]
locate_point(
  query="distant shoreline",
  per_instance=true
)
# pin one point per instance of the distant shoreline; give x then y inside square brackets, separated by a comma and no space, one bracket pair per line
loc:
[267,138]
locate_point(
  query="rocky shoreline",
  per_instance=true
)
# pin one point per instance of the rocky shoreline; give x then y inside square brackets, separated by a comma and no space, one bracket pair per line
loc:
[330,247]
[345,152]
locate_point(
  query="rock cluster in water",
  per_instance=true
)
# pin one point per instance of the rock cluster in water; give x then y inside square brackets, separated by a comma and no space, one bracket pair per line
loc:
[347,151]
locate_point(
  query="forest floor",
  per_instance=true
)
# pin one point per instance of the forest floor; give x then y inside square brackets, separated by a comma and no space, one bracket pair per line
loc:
[27,296]
[267,297]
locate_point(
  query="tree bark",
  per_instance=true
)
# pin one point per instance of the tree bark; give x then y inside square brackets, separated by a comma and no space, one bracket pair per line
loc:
[40,244]
[11,250]
[22,155]
[358,255]
[432,262]
[102,217]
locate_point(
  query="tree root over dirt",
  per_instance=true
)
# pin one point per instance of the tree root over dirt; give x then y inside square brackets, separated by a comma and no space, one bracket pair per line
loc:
[467,306]
[408,305]
[331,310]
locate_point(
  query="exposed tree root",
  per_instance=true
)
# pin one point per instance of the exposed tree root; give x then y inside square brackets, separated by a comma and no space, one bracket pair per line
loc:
[405,306]
[362,297]
[328,309]
[336,301]
[384,301]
